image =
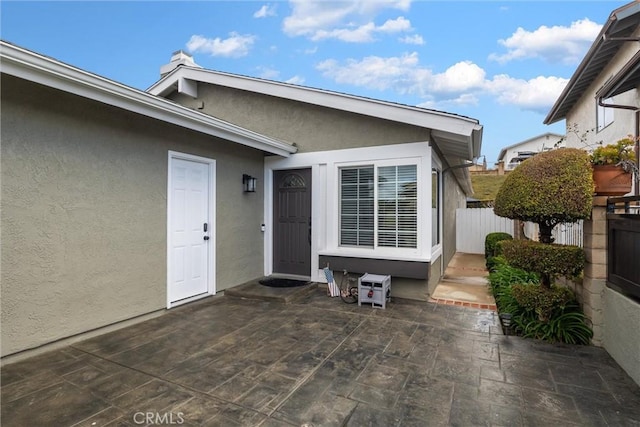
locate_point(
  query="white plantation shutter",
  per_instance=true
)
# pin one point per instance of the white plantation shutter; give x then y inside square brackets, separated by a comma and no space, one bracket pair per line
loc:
[397,206]
[396,199]
[356,207]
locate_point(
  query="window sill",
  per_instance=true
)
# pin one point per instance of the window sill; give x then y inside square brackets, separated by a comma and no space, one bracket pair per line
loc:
[374,254]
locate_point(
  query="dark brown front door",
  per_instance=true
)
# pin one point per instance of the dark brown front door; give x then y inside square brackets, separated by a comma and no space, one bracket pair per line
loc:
[292,222]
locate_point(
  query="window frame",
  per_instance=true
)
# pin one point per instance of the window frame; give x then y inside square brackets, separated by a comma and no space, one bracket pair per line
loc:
[603,113]
[420,217]
[437,230]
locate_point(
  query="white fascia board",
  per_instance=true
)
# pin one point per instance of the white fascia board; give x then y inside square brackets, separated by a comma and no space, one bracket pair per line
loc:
[338,101]
[48,72]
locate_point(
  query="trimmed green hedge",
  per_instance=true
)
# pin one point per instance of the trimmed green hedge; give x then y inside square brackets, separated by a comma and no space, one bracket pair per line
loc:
[547,314]
[551,187]
[548,260]
[490,242]
[541,301]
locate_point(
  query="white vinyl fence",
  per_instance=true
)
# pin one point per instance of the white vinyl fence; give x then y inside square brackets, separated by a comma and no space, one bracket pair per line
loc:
[473,225]
[563,234]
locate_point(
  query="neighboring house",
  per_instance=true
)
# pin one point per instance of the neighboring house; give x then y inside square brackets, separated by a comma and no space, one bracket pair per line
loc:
[601,101]
[510,157]
[118,204]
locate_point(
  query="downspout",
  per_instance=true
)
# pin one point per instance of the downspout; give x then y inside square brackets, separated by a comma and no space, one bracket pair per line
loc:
[637,135]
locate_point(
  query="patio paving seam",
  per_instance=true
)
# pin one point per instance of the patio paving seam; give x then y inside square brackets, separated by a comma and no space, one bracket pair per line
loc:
[313,371]
[169,381]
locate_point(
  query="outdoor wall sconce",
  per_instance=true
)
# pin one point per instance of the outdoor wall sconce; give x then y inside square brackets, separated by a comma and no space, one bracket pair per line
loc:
[249,183]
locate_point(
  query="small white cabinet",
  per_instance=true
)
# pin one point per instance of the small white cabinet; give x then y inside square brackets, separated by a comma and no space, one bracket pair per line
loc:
[374,289]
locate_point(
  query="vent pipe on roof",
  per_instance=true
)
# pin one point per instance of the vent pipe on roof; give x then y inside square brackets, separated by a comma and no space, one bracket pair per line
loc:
[178,58]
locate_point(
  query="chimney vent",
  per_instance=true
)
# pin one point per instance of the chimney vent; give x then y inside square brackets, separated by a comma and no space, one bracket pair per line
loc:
[178,58]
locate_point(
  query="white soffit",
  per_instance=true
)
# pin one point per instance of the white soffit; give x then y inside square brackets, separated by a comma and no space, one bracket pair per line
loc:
[46,71]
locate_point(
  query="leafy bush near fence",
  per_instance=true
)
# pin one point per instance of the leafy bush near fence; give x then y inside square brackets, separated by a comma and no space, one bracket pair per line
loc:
[494,262]
[492,247]
[548,314]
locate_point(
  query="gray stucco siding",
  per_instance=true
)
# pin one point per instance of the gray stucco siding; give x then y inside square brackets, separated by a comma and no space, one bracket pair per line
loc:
[454,198]
[310,127]
[83,218]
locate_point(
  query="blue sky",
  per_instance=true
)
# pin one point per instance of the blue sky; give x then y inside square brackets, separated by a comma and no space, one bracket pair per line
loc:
[501,62]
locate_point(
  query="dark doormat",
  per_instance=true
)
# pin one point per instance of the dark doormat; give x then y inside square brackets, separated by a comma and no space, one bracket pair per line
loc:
[276,282]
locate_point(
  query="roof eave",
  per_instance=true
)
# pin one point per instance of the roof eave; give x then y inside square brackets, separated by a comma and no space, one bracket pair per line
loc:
[627,78]
[40,69]
[556,114]
[416,116]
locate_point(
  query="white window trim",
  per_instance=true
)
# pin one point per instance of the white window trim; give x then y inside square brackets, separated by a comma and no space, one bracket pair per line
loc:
[604,112]
[436,163]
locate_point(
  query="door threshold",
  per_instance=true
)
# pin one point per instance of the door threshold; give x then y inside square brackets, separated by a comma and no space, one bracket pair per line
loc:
[290,276]
[189,299]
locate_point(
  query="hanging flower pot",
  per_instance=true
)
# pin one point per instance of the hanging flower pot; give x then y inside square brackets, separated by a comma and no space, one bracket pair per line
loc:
[611,180]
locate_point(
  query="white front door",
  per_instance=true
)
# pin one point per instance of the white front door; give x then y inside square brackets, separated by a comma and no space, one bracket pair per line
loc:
[191,240]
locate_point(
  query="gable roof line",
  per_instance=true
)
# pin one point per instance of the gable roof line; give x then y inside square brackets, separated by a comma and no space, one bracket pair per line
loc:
[432,119]
[620,24]
[50,72]
[508,147]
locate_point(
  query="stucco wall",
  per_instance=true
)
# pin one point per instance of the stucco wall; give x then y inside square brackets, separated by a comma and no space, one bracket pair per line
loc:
[454,198]
[83,218]
[621,332]
[311,128]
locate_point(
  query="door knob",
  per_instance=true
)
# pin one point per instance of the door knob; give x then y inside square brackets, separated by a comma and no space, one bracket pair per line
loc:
[206,237]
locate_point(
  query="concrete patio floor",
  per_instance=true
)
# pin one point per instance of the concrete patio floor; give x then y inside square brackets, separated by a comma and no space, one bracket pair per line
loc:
[228,361]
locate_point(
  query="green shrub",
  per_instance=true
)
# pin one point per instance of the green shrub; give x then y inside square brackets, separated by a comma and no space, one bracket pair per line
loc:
[501,281]
[548,260]
[495,262]
[506,276]
[490,243]
[570,327]
[543,302]
[517,292]
[549,188]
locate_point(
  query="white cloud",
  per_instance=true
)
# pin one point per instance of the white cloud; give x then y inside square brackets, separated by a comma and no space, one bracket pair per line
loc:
[364,33]
[397,25]
[350,21]
[234,47]
[463,100]
[459,77]
[552,44]
[404,75]
[461,84]
[265,11]
[414,39]
[537,94]
[268,73]
[374,72]
[273,74]
[296,80]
